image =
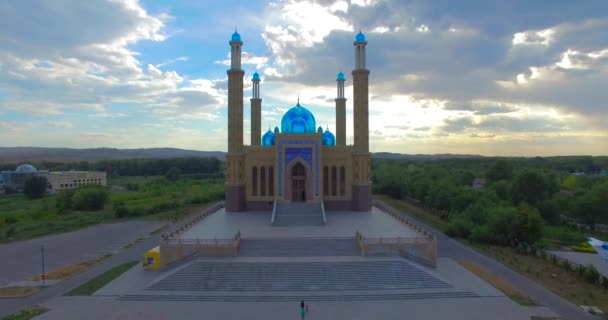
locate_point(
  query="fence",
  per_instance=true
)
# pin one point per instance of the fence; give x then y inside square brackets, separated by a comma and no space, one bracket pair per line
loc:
[172,250]
[194,220]
[421,249]
[588,272]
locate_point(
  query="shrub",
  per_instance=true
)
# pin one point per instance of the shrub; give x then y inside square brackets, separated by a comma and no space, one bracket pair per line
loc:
[459,227]
[173,174]
[120,209]
[590,274]
[90,198]
[64,201]
[35,186]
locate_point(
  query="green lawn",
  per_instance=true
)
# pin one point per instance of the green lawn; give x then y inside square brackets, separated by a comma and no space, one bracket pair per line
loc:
[100,281]
[26,314]
[150,197]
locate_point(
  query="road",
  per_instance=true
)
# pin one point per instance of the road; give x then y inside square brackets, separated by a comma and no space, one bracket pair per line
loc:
[68,248]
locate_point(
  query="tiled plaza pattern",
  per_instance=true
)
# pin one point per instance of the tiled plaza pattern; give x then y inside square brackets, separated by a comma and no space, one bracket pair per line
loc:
[307,276]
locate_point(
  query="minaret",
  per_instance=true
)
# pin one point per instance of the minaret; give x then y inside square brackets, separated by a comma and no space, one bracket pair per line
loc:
[362,185]
[235,180]
[340,112]
[256,112]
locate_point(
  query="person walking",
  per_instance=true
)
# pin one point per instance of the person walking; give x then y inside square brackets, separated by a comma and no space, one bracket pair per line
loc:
[303,313]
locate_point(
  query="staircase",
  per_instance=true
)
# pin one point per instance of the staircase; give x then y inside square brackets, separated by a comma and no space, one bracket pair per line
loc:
[298,214]
[298,276]
[297,247]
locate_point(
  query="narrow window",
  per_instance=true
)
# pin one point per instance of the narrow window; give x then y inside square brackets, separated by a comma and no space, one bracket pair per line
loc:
[334,181]
[270,181]
[254,181]
[342,181]
[325,180]
[263,181]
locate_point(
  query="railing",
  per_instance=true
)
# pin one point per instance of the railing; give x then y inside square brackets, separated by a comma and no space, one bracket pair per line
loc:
[274,212]
[193,220]
[172,250]
[420,249]
[323,212]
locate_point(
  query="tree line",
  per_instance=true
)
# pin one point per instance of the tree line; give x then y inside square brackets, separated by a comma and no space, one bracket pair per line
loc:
[520,195]
[134,167]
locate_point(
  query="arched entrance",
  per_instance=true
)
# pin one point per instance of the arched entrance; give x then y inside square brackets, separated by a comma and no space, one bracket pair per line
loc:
[298,182]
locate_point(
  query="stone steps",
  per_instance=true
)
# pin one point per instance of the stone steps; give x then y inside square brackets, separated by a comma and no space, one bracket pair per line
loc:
[301,276]
[308,298]
[298,214]
[293,247]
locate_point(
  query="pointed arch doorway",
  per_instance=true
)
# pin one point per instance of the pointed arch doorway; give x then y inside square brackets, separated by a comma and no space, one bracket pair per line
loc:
[298,182]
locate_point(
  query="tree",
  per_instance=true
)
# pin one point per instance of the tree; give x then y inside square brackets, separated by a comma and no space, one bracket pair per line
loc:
[529,187]
[173,174]
[90,198]
[35,186]
[592,206]
[500,170]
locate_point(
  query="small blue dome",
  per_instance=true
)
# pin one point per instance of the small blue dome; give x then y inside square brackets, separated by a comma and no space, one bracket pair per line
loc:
[26,168]
[328,138]
[268,138]
[298,120]
[236,36]
[320,129]
[359,38]
[276,130]
[256,76]
[340,76]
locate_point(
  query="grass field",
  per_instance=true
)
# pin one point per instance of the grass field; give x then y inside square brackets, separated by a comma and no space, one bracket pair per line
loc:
[100,281]
[27,314]
[149,197]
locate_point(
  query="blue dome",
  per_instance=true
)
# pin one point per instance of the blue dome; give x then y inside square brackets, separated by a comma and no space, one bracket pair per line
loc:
[320,129]
[298,120]
[359,38]
[26,168]
[340,76]
[256,76]
[268,138]
[236,36]
[328,138]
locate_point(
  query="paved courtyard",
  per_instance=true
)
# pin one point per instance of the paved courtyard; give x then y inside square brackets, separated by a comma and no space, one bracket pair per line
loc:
[224,225]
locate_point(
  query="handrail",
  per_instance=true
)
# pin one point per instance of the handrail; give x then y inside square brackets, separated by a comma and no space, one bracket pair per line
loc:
[274,212]
[323,212]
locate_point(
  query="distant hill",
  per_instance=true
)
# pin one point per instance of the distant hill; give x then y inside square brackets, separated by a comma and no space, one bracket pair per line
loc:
[389,155]
[33,154]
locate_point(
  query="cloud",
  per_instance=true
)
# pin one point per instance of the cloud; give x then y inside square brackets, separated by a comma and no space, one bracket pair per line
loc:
[43,71]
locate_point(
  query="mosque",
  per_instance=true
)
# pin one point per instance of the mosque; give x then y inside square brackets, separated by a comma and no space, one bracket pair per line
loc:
[298,162]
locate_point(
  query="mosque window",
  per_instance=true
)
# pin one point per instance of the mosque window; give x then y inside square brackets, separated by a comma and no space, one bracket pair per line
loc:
[270,181]
[263,181]
[325,180]
[254,181]
[342,180]
[334,181]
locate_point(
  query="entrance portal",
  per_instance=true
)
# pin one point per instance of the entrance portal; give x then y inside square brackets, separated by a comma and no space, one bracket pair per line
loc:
[298,182]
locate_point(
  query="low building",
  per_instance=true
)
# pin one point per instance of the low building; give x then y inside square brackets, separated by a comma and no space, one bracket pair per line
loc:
[57,181]
[73,179]
[479,183]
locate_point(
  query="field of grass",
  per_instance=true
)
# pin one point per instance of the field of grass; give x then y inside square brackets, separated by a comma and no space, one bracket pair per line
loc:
[145,198]
[498,283]
[100,281]
[567,284]
[27,314]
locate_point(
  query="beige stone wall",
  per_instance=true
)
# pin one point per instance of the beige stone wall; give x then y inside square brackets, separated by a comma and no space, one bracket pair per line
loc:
[336,157]
[258,157]
[70,180]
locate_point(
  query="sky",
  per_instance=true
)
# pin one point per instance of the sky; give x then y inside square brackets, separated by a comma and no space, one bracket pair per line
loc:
[496,78]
